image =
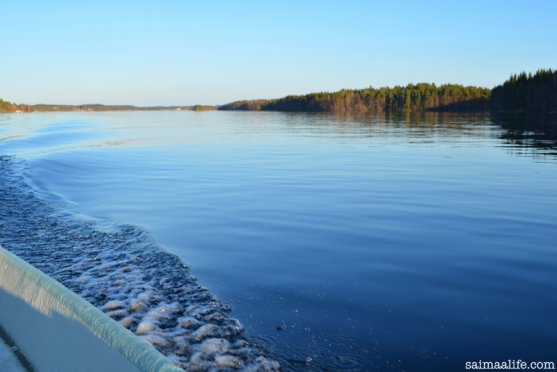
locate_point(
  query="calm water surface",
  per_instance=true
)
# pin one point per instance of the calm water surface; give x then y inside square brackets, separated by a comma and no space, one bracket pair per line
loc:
[409,243]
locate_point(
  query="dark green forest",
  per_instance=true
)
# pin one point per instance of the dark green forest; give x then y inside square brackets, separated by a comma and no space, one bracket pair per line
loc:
[413,97]
[527,93]
[520,93]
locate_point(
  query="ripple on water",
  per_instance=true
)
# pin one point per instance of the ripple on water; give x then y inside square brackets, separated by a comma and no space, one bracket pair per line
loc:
[123,272]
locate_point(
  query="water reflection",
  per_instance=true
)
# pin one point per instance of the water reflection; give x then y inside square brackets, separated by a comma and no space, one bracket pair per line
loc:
[525,135]
[383,242]
[530,135]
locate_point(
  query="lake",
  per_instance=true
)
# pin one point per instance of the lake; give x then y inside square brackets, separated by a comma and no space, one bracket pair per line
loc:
[389,243]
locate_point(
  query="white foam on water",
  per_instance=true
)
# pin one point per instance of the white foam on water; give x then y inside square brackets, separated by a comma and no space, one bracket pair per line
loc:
[124,273]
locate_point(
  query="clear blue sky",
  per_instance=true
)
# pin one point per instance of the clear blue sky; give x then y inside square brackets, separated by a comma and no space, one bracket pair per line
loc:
[185,52]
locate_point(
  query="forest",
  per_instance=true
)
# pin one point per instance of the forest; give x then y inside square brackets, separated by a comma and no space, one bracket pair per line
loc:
[527,93]
[412,97]
[6,106]
[520,93]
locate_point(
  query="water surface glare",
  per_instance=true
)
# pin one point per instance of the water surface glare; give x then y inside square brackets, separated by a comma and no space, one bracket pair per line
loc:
[409,243]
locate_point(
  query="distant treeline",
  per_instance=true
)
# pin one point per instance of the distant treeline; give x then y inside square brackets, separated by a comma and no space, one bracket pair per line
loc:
[523,92]
[413,97]
[12,107]
[6,106]
[529,93]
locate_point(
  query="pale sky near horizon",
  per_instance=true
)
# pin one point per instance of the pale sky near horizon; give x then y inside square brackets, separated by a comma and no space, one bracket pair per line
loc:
[172,52]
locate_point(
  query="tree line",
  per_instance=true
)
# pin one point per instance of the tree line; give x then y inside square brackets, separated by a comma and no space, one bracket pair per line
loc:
[6,106]
[523,92]
[527,92]
[412,97]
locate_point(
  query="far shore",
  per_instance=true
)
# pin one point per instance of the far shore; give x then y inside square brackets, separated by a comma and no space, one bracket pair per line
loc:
[520,93]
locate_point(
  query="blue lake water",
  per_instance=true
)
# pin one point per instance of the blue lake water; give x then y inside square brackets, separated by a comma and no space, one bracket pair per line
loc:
[410,243]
